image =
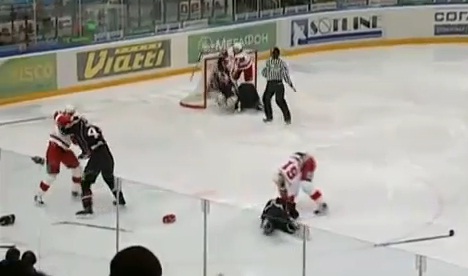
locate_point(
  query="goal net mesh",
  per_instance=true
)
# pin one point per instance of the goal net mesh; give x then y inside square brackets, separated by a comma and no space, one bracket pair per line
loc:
[199,97]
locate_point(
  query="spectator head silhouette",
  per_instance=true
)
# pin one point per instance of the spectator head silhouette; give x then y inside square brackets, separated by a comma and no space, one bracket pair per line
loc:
[29,258]
[12,255]
[135,260]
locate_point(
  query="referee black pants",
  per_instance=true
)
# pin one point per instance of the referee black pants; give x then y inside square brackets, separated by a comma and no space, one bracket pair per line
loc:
[275,88]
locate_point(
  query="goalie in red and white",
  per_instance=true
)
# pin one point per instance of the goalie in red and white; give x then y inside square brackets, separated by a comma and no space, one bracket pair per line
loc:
[58,152]
[297,174]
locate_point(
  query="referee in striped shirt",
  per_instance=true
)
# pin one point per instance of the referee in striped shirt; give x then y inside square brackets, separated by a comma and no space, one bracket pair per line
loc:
[275,72]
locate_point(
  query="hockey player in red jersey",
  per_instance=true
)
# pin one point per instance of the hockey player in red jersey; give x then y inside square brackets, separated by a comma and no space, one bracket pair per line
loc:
[243,63]
[58,152]
[297,174]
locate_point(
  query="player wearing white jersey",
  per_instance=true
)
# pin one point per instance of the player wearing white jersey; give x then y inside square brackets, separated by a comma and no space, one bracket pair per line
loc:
[297,174]
[58,152]
[243,63]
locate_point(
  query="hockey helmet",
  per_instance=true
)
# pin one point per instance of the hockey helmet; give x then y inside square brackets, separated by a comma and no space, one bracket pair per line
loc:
[224,53]
[63,120]
[237,47]
[300,156]
[69,109]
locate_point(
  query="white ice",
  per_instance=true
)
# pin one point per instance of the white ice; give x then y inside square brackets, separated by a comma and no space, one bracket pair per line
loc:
[388,128]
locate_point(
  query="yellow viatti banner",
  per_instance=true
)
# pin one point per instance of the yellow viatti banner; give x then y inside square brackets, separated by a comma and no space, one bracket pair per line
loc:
[112,61]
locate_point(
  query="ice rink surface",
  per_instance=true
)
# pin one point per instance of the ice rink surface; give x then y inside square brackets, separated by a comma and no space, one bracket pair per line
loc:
[388,128]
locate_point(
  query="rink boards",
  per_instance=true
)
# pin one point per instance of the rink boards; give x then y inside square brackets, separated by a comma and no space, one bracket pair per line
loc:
[81,69]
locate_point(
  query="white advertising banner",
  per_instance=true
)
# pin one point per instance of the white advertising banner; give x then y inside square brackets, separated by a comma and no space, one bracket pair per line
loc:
[336,27]
[347,26]
[450,21]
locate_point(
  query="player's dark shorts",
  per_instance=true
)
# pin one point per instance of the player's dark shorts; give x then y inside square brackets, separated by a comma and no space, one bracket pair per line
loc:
[248,96]
[100,161]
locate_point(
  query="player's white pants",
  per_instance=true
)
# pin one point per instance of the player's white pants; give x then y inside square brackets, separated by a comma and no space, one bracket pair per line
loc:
[306,186]
[294,188]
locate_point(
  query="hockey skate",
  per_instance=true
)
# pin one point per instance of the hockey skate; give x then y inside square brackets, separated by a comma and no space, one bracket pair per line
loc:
[321,210]
[86,212]
[122,201]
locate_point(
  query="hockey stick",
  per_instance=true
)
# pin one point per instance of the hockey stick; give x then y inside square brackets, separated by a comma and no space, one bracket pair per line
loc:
[429,238]
[20,121]
[89,225]
[7,246]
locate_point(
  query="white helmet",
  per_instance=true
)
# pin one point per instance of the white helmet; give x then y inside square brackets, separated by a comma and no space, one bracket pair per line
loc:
[70,109]
[237,47]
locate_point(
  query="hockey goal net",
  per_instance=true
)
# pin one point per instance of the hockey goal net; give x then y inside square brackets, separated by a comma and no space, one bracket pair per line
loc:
[200,97]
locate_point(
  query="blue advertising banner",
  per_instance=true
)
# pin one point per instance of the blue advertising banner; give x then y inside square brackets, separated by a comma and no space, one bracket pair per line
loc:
[449,22]
[317,29]
[352,4]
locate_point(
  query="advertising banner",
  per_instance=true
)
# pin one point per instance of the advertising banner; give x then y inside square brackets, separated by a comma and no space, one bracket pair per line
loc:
[449,22]
[325,6]
[321,6]
[382,3]
[415,2]
[122,60]
[260,37]
[352,4]
[450,2]
[21,76]
[315,29]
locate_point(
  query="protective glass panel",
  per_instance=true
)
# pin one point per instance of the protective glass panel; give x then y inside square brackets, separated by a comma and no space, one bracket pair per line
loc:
[237,245]
[335,255]
[433,267]
[177,241]
[63,244]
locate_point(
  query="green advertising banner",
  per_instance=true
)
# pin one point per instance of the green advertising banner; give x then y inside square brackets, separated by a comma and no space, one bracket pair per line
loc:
[21,76]
[259,37]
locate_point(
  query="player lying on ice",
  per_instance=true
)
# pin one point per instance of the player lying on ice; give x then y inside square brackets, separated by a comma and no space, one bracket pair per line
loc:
[230,96]
[279,214]
[297,174]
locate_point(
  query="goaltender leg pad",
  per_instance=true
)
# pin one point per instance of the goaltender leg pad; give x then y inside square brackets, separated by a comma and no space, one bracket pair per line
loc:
[231,103]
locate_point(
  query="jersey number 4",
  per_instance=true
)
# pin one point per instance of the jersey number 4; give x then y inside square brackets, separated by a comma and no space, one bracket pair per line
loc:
[290,170]
[92,132]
